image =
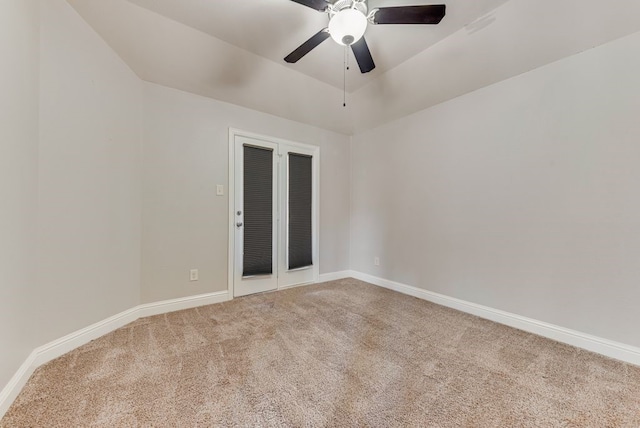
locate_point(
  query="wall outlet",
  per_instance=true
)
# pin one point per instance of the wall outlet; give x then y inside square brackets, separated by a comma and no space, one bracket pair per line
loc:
[376,261]
[193,275]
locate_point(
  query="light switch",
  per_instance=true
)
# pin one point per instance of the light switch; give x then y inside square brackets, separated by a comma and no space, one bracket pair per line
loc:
[220,189]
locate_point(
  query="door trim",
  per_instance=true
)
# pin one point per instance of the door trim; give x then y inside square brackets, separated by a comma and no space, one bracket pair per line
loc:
[233,133]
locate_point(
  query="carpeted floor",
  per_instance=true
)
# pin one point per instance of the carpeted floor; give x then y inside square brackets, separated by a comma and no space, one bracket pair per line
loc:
[343,353]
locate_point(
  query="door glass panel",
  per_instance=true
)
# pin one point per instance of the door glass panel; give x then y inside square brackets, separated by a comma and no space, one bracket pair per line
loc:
[258,211]
[300,209]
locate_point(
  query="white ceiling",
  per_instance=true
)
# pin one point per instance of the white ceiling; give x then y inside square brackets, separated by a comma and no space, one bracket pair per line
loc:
[232,50]
[274,28]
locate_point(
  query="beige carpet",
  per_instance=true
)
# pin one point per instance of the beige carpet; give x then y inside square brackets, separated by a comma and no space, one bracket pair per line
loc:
[343,353]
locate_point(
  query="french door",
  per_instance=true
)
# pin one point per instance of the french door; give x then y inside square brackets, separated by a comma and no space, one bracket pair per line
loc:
[274,214]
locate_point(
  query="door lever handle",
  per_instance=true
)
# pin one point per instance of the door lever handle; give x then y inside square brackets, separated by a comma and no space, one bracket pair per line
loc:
[239,224]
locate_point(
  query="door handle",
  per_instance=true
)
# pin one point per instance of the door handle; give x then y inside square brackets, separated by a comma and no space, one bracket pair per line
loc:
[239,224]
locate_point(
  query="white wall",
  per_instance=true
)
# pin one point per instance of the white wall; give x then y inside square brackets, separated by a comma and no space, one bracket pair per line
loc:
[18,178]
[89,177]
[185,155]
[521,196]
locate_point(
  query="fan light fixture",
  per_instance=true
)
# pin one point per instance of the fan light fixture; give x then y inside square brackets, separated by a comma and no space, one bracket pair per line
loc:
[347,26]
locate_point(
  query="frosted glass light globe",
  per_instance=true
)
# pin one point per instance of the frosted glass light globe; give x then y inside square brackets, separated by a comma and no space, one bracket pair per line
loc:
[347,26]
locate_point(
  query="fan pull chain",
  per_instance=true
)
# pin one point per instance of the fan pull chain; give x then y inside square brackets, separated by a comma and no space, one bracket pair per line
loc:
[344,78]
[344,82]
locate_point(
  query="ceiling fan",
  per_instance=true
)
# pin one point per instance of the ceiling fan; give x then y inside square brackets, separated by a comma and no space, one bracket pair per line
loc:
[348,20]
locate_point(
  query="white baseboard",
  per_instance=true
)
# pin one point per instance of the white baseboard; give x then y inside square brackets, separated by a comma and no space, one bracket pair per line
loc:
[16,383]
[59,347]
[335,275]
[166,306]
[609,348]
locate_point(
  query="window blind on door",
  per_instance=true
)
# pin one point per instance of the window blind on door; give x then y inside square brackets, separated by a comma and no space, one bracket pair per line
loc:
[300,209]
[258,211]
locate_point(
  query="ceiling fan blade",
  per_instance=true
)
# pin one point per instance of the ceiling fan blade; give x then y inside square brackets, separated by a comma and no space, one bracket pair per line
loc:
[363,56]
[320,5]
[427,14]
[307,46]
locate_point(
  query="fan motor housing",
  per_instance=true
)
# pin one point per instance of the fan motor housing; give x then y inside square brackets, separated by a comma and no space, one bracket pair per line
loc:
[339,5]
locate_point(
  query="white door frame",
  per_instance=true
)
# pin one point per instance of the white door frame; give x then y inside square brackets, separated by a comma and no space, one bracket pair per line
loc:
[233,132]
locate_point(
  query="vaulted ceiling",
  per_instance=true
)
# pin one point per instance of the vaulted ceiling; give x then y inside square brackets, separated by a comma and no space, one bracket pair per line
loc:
[233,50]
[273,28]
